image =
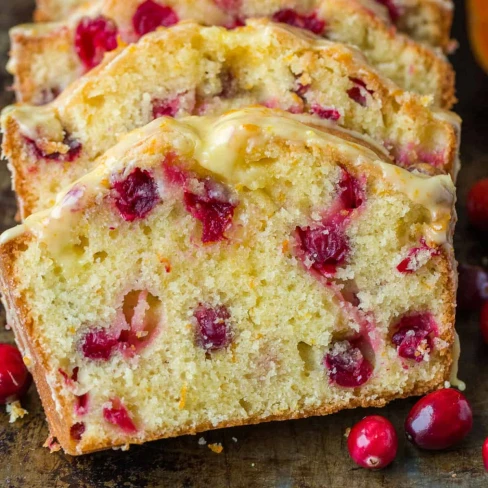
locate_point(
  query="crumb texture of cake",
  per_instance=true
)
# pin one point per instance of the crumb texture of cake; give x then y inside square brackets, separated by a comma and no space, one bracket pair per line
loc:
[231,270]
[45,58]
[56,10]
[194,70]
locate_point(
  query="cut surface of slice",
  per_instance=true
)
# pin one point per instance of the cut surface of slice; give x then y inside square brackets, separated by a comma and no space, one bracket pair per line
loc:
[225,271]
[45,58]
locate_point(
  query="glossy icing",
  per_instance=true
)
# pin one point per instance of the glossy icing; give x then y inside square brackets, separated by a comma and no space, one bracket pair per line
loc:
[218,144]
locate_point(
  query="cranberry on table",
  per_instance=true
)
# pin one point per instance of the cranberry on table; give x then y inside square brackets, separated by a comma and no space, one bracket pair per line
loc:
[484,453]
[14,377]
[484,322]
[472,288]
[373,442]
[439,420]
[478,205]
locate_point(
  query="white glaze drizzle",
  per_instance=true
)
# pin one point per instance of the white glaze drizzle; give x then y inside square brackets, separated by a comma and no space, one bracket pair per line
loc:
[456,353]
[219,144]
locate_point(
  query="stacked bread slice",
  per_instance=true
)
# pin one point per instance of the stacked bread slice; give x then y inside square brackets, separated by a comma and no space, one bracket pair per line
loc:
[228,224]
[46,58]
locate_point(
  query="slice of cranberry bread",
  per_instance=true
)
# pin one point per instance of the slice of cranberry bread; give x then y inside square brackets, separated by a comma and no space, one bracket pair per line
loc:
[426,21]
[56,10]
[224,271]
[45,58]
[189,69]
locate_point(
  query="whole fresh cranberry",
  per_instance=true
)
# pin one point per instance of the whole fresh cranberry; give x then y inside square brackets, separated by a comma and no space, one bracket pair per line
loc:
[373,442]
[346,364]
[93,38]
[151,15]
[484,322]
[472,287]
[477,205]
[14,377]
[484,452]
[439,420]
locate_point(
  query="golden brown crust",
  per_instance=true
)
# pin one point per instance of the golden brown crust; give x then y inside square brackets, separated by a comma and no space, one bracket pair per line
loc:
[13,148]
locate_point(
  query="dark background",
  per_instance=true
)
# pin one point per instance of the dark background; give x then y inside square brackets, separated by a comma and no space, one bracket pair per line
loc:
[303,453]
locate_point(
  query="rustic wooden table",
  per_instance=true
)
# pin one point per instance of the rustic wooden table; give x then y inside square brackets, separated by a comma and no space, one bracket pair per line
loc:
[302,453]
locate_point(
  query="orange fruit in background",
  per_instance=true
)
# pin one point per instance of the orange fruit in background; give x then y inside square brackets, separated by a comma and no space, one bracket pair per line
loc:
[478,30]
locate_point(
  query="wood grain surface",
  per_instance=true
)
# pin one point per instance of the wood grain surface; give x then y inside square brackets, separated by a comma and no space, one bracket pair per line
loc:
[305,453]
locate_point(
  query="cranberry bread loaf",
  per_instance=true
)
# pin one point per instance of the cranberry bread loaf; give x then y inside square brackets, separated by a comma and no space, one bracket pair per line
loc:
[426,21]
[213,272]
[46,58]
[189,69]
